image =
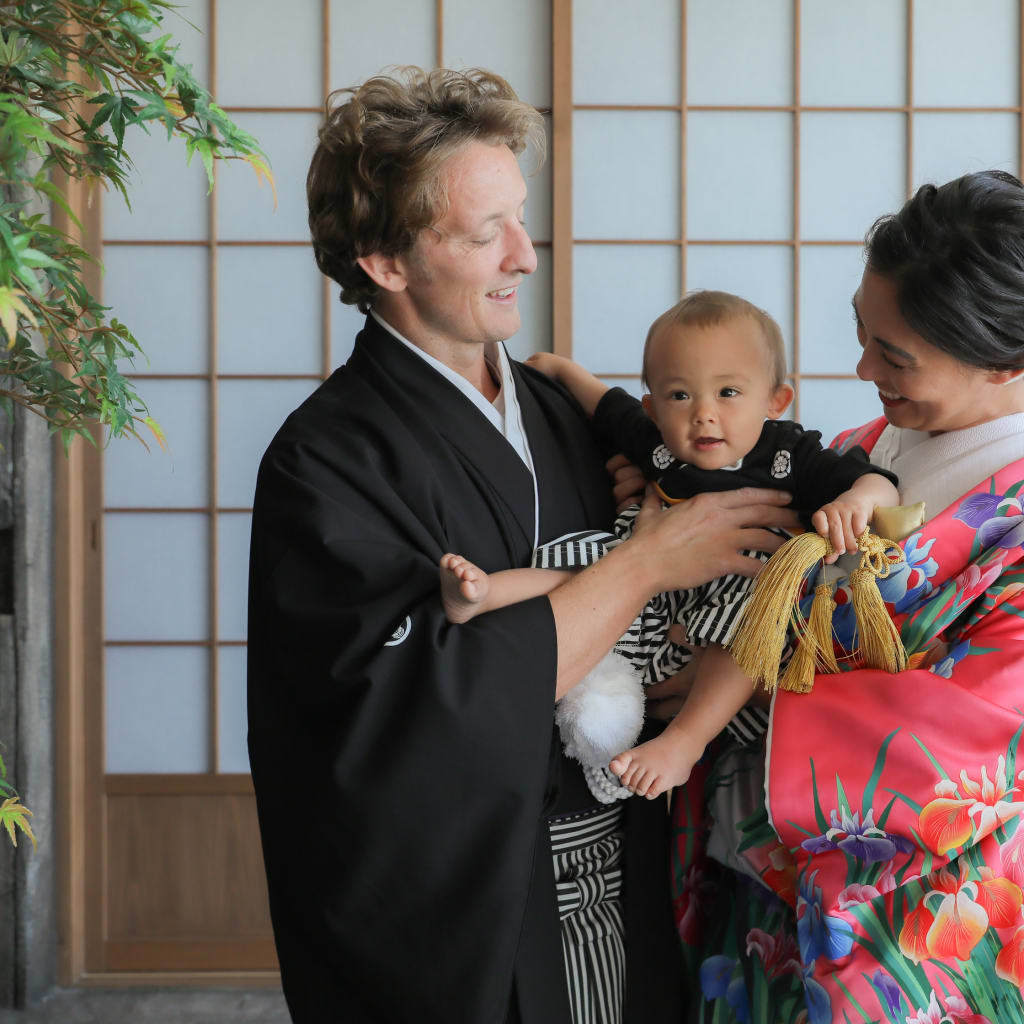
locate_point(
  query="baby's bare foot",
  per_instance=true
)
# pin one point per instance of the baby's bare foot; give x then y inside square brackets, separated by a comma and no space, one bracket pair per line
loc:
[656,766]
[464,588]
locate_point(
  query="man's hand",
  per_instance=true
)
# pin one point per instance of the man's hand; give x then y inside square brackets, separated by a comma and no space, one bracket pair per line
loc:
[628,482]
[701,538]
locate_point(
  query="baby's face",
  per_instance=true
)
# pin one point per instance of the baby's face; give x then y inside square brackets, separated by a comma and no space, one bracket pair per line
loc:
[711,390]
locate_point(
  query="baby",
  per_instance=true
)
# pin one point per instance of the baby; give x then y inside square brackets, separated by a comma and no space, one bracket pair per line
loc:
[714,366]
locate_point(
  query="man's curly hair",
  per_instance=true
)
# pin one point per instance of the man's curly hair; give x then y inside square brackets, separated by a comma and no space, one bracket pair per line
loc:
[376,179]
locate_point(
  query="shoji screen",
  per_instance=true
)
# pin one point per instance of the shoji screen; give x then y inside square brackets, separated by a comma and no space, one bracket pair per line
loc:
[238,328]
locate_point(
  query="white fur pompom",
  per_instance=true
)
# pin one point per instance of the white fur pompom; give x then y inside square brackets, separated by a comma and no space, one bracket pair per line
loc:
[601,716]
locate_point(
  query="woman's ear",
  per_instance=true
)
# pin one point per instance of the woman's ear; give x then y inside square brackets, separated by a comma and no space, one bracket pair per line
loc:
[384,271]
[648,404]
[1005,376]
[779,401]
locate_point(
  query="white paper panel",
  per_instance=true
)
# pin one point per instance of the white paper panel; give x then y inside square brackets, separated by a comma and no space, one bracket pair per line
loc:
[156,582]
[168,198]
[631,385]
[832,406]
[949,145]
[232,717]
[265,59]
[512,39]
[739,175]
[853,54]
[829,275]
[739,52]
[346,323]
[233,530]
[269,316]
[176,478]
[156,709]
[761,274]
[965,54]
[189,23]
[162,293]
[851,172]
[617,193]
[625,57]
[251,411]
[538,182]
[618,290]
[245,207]
[367,37]
[535,310]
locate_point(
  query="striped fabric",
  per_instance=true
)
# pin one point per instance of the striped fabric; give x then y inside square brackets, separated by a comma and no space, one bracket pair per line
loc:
[587,852]
[708,614]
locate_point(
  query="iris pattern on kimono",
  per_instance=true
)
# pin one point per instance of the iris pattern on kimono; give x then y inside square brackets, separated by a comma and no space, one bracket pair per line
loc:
[909,894]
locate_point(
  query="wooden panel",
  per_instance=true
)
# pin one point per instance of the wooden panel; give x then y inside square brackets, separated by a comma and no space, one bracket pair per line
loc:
[186,869]
[183,955]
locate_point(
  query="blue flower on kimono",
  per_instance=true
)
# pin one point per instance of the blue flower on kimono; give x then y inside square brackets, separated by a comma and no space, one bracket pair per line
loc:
[888,991]
[977,509]
[945,667]
[819,1003]
[863,840]
[908,582]
[818,933]
[717,980]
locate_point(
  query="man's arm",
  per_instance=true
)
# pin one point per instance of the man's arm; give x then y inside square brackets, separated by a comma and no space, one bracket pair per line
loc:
[693,542]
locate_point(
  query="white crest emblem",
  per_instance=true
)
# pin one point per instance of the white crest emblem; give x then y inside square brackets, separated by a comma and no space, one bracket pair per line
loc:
[781,465]
[401,633]
[662,457]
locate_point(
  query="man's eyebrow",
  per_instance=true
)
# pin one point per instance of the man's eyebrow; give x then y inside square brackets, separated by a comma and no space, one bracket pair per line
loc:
[887,345]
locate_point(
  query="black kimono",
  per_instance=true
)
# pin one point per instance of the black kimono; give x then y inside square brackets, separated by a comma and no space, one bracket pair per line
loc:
[404,767]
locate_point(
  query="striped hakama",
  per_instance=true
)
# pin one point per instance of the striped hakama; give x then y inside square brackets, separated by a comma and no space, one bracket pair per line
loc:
[587,852]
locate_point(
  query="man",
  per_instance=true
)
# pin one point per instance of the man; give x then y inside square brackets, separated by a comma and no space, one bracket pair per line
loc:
[414,802]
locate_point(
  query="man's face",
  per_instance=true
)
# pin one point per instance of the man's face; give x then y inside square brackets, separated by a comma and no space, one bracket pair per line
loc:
[463,275]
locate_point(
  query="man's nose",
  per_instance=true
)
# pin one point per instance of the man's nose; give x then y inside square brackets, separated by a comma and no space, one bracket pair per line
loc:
[520,256]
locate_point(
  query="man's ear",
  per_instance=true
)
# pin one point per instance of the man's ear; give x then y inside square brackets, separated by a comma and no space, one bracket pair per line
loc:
[648,403]
[384,271]
[779,401]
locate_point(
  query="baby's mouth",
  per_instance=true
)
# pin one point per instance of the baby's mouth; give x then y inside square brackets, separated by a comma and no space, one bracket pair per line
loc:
[704,444]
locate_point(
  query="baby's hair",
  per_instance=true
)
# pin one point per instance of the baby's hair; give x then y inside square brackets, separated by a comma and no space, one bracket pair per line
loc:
[703,308]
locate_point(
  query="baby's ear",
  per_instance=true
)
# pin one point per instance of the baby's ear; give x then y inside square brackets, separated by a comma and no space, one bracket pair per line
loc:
[647,402]
[780,401]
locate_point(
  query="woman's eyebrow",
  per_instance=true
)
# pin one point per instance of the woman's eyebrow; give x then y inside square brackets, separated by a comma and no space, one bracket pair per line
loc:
[887,345]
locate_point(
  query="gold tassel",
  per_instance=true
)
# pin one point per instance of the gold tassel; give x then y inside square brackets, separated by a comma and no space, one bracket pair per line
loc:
[760,635]
[815,650]
[879,639]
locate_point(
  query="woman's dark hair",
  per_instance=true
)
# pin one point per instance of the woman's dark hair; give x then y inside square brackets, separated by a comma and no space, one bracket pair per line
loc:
[956,256]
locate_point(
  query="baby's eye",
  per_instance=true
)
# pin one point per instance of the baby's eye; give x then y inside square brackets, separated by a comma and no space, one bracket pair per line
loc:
[729,392]
[678,396]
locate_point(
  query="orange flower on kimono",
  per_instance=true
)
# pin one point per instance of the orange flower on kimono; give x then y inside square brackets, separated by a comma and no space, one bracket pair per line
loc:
[952,918]
[1010,959]
[949,821]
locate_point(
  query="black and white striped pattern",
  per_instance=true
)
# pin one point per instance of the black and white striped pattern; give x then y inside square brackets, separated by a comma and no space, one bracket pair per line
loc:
[708,614]
[587,852]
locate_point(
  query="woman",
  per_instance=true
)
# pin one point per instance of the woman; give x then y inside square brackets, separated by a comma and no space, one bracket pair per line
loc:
[886,880]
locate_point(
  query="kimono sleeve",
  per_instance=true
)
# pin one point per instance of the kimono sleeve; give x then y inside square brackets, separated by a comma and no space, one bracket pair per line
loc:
[821,474]
[621,425]
[400,762]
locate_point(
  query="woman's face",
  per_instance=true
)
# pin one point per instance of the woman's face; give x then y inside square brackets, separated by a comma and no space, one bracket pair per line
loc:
[920,386]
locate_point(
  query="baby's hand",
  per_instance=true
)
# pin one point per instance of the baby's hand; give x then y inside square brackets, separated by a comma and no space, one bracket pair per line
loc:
[547,363]
[841,522]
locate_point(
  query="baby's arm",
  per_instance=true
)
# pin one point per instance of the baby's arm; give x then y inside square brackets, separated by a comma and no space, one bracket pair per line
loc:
[468,591]
[845,518]
[719,691]
[582,384]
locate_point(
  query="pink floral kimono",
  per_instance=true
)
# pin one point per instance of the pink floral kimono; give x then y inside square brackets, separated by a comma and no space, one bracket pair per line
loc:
[891,860]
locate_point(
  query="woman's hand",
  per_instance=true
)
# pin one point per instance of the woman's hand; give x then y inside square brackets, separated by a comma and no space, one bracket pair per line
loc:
[628,482]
